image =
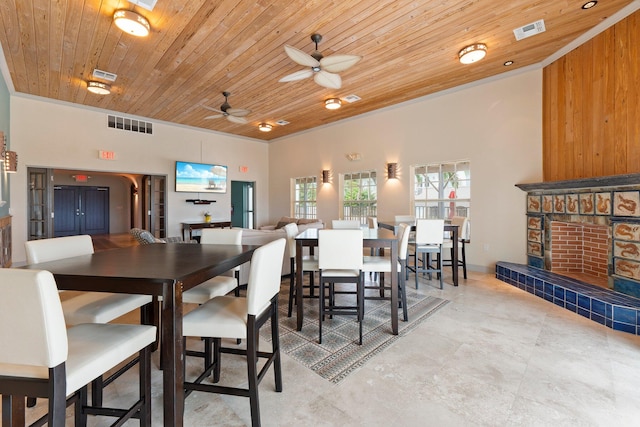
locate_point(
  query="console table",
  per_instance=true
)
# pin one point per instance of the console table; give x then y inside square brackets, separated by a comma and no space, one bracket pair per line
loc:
[188,227]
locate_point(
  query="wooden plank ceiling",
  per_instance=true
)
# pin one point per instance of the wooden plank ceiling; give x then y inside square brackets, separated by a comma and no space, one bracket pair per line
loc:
[200,48]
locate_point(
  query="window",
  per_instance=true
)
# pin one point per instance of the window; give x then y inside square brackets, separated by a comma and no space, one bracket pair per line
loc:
[359,195]
[304,197]
[442,190]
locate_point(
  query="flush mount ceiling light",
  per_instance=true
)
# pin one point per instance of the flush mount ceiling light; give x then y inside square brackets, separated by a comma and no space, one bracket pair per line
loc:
[589,4]
[98,88]
[332,103]
[132,23]
[265,127]
[472,53]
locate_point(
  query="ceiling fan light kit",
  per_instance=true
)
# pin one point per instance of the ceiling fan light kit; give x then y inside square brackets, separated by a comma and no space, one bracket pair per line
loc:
[131,22]
[98,88]
[332,103]
[472,53]
[265,127]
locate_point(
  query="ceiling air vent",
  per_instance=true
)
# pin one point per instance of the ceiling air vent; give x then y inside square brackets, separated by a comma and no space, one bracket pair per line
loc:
[530,30]
[282,122]
[104,75]
[352,98]
[147,4]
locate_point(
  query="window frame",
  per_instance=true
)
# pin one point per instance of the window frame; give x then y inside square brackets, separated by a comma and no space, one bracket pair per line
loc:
[444,206]
[367,207]
[306,208]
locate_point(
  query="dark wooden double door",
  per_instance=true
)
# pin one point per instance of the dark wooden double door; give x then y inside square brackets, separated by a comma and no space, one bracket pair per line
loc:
[80,210]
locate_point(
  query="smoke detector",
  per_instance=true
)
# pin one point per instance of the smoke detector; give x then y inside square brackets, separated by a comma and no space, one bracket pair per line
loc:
[529,30]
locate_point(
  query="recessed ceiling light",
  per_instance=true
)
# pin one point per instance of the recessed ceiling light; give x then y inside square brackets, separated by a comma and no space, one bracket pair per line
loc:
[508,63]
[265,127]
[131,23]
[332,103]
[98,88]
[472,53]
[589,4]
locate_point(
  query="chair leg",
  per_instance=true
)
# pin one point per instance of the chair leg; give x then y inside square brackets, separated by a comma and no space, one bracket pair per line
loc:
[440,267]
[275,348]
[217,358]
[252,371]
[464,262]
[321,308]
[236,274]
[144,371]
[403,296]
[360,304]
[80,402]
[96,391]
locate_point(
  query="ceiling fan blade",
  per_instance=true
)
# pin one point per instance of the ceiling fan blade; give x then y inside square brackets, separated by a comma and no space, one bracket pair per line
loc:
[337,63]
[298,75]
[327,79]
[238,112]
[215,116]
[217,110]
[300,57]
[239,120]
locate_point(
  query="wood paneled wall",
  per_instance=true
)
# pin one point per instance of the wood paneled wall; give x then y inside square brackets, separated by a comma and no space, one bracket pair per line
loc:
[591,107]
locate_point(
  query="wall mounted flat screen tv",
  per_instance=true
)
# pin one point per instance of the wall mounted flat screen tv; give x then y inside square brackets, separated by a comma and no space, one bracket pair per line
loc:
[200,178]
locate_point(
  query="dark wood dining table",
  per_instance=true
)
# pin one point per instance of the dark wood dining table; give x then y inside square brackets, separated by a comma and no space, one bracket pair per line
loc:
[372,238]
[165,270]
[453,229]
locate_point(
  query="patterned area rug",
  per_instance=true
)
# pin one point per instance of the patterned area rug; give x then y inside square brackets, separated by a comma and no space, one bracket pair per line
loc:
[339,354]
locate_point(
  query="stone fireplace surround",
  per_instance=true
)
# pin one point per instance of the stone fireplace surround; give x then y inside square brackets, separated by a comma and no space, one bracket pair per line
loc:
[612,202]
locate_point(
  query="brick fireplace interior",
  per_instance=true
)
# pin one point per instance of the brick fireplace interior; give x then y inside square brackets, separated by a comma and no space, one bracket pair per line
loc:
[580,251]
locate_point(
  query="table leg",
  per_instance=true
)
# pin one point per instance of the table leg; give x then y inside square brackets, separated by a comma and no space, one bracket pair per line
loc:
[13,411]
[299,286]
[394,287]
[172,354]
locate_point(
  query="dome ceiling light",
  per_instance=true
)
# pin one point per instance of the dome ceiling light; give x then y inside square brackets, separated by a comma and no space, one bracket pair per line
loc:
[132,23]
[472,53]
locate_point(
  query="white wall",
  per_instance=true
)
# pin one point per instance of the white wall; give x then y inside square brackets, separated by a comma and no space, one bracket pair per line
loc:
[55,135]
[497,126]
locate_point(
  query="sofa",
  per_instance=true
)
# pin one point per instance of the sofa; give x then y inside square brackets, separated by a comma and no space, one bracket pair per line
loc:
[266,234]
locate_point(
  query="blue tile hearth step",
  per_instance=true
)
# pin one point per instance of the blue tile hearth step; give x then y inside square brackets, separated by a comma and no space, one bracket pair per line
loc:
[605,306]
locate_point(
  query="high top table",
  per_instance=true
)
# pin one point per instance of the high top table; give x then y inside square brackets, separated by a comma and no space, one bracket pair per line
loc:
[165,270]
[372,238]
[453,229]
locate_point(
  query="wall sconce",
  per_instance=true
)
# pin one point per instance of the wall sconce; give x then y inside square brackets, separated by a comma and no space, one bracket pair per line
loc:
[325,176]
[131,22]
[10,161]
[392,171]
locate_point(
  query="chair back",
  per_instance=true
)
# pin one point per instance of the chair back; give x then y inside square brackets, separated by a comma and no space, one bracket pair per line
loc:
[340,249]
[345,224]
[221,236]
[463,226]
[410,219]
[32,328]
[58,248]
[292,231]
[372,222]
[264,275]
[404,231]
[429,231]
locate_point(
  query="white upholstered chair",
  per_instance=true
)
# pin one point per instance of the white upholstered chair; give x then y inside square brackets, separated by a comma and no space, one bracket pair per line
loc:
[429,239]
[87,307]
[309,264]
[40,357]
[345,224]
[219,285]
[241,318]
[463,238]
[340,261]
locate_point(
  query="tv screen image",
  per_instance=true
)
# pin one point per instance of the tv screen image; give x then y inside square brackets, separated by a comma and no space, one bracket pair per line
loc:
[200,178]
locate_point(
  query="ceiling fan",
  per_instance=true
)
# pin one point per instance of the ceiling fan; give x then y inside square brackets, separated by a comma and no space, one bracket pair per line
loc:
[235,115]
[322,69]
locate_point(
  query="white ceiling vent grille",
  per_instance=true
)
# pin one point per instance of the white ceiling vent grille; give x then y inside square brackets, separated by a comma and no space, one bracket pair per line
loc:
[132,125]
[147,4]
[530,30]
[104,75]
[352,98]
[282,122]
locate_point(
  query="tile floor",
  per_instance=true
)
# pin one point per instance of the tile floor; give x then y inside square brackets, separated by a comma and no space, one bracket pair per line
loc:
[495,356]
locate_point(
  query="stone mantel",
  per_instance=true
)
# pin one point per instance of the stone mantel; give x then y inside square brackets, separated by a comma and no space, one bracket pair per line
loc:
[584,183]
